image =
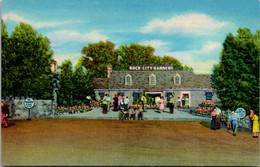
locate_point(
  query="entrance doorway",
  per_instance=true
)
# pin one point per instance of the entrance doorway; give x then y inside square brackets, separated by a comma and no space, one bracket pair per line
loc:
[152,97]
[185,99]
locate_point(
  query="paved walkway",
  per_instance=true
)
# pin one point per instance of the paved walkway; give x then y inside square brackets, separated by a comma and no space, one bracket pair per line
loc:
[96,113]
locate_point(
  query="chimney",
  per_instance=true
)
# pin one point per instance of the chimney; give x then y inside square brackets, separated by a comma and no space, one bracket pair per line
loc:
[109,70]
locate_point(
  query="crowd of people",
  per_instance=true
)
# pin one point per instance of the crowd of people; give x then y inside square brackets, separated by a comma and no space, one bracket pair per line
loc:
[232,121]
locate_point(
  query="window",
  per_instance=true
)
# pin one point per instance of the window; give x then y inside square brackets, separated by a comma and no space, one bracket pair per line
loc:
[208,95]
[101,95]
[128,79]
[136,96]
[177,79]
[152,79]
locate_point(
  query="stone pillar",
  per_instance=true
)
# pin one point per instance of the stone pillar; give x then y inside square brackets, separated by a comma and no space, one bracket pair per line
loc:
[54,102]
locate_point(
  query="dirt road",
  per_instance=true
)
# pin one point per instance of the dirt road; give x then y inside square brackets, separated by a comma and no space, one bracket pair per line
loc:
[114,142]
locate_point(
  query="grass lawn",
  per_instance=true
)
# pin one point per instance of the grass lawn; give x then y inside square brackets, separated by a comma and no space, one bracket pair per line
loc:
[113,142]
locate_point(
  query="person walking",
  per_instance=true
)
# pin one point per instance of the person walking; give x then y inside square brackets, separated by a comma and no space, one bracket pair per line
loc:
[251,119]
[171,104]
[255,126]
[218,116]
[234,119]
[4,114]
[161,104]
[213,119]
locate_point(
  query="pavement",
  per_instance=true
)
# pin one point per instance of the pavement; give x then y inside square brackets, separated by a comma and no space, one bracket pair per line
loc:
[150,114]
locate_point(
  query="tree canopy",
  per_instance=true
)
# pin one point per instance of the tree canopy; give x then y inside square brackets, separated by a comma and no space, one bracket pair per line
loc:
[236,77]
[26,60]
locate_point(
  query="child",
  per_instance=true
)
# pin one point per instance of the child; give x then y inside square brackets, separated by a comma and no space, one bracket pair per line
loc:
[255,126]
[140,114]
[120,115]
[126,115]
[132,114]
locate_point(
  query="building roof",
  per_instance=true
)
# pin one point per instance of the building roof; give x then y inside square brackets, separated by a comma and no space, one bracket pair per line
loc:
[164,80]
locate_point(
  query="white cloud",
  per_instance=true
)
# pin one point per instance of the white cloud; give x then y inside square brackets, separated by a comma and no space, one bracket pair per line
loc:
[74,36]
[191,24]
[73,57]
[15,17]
[191,58]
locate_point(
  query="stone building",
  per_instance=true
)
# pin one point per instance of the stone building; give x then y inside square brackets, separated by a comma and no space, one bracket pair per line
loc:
[156,80]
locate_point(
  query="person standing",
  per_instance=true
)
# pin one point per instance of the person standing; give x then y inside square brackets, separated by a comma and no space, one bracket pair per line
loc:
[213,119]
[255,126]
[234,118]
[104,104]
[161,104]
[183,102]
[88,101]
[108,102]
[179,102]
[126,103]
[251,119]
[143,100]
[115,102]
[157,101]
[171,104]
[227,120]
[186,99]
[218,116]
[119,101]
[4,114]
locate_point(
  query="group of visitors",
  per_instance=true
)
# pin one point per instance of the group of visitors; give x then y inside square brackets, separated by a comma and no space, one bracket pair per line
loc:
[131,114]
[118,103]
[232,121]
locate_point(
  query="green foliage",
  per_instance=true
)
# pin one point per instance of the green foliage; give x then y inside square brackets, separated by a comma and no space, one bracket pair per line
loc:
[26,59]
[236,77]
[98,56]
[74,85]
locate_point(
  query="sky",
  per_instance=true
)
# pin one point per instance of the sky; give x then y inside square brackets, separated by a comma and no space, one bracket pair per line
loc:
[191,31]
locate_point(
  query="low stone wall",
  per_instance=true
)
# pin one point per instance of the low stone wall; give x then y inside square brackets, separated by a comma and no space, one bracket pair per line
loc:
[42,108]
[245,122]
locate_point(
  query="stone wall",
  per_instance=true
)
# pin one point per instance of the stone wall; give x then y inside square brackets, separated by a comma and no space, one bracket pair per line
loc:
[42,108]
[245,122]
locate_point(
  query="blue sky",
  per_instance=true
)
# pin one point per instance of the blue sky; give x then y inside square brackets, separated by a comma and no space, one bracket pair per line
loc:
[190,30]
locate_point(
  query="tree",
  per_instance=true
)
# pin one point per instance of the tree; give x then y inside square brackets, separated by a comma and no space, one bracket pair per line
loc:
[65,93]
[236,77]
[26,68]
[98,56]
[135,54]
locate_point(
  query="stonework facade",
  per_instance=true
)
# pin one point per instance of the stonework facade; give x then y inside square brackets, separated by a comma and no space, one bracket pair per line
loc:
[180,83]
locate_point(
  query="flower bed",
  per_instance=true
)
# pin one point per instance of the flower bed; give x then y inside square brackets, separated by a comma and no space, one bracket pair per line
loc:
[135,106]
[96,104]
[205,112]
[207,104]
[152,106]
[73,109]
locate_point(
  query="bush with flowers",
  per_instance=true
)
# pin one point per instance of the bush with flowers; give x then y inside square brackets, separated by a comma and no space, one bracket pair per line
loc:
[135,106]
[207,104]
[96,104]
[152,106]
[72,109]
[205,108]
